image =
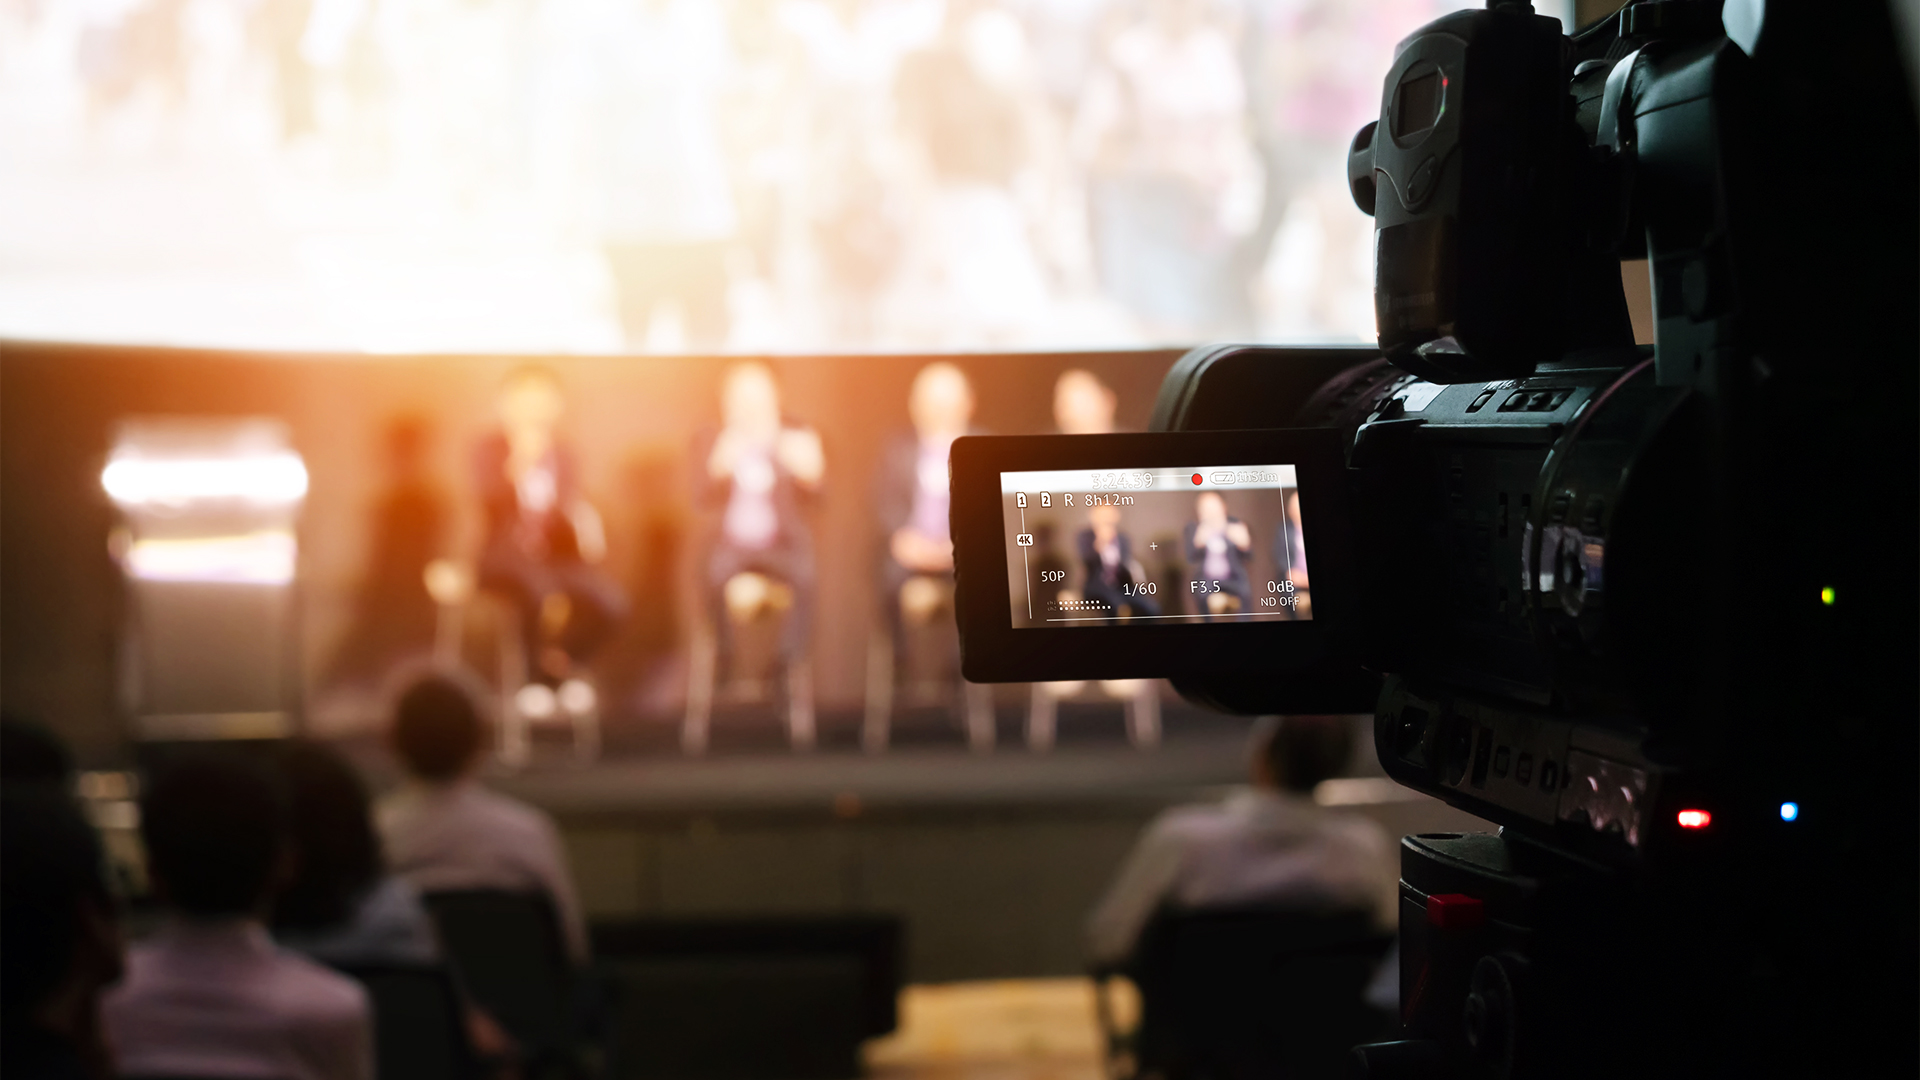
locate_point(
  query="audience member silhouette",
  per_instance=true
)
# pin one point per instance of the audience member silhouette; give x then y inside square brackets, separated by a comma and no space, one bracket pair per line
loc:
[1217,545]
[443,830]
[209,994]
[760,470]
[1266,844]
[910,501]
[1111,573]
[60,943]
[543,538]
[31,754]
[341,906]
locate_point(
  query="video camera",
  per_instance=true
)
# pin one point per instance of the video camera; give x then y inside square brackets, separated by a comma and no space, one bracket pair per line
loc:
[1651,611]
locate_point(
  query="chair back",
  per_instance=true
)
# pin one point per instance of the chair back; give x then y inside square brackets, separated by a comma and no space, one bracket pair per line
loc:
[1239,994]
[419,1024]
[745,999]
[506,948]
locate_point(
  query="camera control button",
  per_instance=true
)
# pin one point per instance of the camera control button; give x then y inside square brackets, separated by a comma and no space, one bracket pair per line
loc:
[1420,184]
[1515,401]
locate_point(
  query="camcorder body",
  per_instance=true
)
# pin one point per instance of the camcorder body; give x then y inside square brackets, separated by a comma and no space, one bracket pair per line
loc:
[1649,610]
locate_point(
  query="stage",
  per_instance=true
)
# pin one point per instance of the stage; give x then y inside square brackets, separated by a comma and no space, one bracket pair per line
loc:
[992,859]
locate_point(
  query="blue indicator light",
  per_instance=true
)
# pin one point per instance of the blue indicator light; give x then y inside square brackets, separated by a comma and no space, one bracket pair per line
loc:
[1789,811]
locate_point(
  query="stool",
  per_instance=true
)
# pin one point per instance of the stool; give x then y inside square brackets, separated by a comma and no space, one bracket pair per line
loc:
[523,704]
[749,596]
[1142,704]
[883,678]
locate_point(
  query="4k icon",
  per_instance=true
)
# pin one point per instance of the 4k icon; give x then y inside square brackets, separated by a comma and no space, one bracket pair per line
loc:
[1024,539]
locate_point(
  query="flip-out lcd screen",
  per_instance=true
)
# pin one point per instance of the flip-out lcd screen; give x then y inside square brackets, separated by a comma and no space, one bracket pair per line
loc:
[1156,546]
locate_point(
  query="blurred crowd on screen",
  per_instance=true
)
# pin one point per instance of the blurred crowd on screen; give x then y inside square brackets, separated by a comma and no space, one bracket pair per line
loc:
[698,175]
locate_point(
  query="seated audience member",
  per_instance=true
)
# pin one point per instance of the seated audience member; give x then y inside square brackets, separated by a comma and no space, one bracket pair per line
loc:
[443,830]
[30,754]
[1267,844]
[59,941]
[342,906]
[209,994]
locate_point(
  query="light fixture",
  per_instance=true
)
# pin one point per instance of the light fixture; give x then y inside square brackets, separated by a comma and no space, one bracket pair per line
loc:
[263,479]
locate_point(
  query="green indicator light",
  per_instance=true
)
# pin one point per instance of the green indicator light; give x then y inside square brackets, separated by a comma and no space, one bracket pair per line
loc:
[1826,596]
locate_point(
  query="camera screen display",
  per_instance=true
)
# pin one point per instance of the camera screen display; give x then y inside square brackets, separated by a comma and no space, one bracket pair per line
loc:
[1196,544]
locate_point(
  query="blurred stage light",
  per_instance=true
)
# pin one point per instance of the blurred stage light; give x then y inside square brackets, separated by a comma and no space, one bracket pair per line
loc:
[1695,819]
[273,479]
[259,558]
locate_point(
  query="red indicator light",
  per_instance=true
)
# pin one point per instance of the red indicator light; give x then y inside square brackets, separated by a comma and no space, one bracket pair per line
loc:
[1695,819]
[1196,478]
[1455,911]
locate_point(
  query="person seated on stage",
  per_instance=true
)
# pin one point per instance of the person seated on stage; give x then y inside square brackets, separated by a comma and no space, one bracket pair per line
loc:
[1266,844]
[760,470]
[210,994]
[543,538]
[1217,545]
[1111,573]
[910,500]
[342,906]
[443,830]
[60,945]
[1290,555]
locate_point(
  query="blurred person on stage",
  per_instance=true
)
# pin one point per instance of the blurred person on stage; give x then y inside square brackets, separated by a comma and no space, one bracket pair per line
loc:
[543,539]
[60,943]
[210,994]
[910,500]
[1290,555]
[1110,568]
[761,470]
[1084,405]
[1265,844]
[1217,544]
[444,830]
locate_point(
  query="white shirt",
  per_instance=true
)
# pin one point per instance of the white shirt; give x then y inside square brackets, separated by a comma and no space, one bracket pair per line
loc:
[752,521]
[220,999]
[1257,846]
[462,836]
